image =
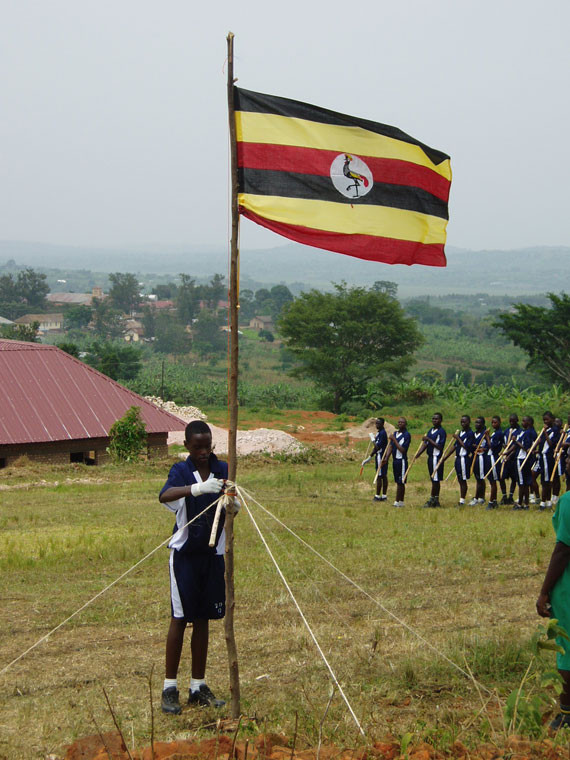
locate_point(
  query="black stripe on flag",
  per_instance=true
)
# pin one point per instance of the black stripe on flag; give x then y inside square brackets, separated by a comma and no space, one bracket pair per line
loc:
[257,102]
[319,188]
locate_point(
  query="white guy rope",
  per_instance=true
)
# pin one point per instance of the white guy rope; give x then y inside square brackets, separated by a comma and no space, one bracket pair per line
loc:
[403,623]
[100,593]
[300,611]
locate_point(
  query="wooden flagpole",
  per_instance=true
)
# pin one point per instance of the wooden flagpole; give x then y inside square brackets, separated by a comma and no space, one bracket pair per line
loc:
[232,395]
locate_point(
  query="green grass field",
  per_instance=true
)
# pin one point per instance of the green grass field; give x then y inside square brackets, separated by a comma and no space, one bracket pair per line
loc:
[465,580]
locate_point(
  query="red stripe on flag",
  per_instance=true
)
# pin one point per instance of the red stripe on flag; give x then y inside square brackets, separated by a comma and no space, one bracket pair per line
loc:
[287,158]
[369,247]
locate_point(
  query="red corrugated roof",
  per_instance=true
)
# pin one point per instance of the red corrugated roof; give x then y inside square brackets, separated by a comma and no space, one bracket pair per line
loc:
[48,395]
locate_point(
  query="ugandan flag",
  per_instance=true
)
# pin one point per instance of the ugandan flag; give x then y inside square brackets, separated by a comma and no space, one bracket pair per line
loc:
[341,183]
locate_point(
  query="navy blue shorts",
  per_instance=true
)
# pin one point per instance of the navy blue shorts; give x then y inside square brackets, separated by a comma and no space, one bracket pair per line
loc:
[463,467]
[197,586]
[399,467]
[479,467]
[384,469]
[524,476]
[546,467]
[510,469]
[435,469]
[493,467]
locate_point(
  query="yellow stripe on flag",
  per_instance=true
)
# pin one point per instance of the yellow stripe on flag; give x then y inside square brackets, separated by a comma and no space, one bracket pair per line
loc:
[343,218]
[284,130]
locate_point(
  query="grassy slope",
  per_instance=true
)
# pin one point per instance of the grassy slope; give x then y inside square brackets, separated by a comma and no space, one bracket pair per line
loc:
[466,580]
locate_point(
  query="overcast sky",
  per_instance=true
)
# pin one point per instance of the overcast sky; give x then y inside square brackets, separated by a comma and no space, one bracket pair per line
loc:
[114,124]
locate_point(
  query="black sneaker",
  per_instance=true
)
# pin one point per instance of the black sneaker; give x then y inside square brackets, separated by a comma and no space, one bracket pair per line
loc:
[204,698]
[435,502]
[562,720]
[517,506]
[504,500]
[492,505]
[169,702]
[429,503]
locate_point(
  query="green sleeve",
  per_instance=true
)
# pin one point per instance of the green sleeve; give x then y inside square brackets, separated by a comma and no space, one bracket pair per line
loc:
[563,529]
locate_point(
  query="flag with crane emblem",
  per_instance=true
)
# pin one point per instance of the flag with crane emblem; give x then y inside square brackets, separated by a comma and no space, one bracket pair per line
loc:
[340,183]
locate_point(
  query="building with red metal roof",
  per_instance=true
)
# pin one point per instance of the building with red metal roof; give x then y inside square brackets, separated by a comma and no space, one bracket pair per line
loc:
[55,408]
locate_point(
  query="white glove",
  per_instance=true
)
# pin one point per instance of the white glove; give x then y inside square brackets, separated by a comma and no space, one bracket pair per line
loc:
[372,437]
[365,461]
[212,485]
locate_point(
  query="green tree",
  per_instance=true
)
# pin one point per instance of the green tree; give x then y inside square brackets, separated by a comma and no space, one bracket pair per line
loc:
[208,339]
[70,348]
[26,333]
[114,360]
[32,287]
[187,298]
[77,317]
[344,339]
[544,333]
[127,437]
[170,336]
[386,286]
[149,321]
[124,292]
[107,321]
[214,292]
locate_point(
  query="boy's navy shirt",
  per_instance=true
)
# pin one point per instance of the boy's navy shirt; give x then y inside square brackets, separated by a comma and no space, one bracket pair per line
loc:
[553,433]
[479,439]
[438,436]
[465,448]
[404,439]
[511,433]
[183,474]
[497,442]
[381,441]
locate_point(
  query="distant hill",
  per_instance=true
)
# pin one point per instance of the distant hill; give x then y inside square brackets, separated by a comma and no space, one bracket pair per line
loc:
[527,270]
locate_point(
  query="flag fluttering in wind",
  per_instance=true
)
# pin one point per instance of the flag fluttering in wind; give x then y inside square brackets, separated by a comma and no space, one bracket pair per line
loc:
[339,182]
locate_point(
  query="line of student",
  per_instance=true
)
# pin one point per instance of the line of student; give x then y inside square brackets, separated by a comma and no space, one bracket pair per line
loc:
[506,458]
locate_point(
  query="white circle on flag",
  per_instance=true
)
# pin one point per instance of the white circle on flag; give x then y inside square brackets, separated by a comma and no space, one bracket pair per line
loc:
[351,176]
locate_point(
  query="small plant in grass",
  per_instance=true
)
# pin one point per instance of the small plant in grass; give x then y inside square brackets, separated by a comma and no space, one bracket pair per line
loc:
[128,436]
[523,711]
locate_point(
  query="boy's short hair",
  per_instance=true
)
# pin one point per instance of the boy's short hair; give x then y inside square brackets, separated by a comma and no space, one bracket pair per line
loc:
[380,419]
[196,427]
[438,414]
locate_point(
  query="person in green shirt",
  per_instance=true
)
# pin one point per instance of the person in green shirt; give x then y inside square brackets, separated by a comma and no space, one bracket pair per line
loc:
[554,599]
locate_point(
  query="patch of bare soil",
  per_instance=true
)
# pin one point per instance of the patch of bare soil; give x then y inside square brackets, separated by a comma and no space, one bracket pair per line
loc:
[277,747]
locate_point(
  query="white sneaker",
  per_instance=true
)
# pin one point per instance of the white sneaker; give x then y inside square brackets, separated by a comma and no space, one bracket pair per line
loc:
[461,502]
[480,501]
[555,500]
[532,499]
[473,502]
[396,504]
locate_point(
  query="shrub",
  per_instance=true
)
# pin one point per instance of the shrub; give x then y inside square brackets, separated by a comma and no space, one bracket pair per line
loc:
[128,436]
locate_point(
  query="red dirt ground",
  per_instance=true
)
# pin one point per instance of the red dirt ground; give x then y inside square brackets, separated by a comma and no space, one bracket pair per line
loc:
[275,747]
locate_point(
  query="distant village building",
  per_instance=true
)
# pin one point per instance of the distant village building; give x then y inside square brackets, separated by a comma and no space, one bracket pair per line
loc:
[56,409]
[47,322]
[4,321]
[261,323]
[76,299]
[134,330]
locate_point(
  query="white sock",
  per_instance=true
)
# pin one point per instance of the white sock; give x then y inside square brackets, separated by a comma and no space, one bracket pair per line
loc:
[170,683]
[195,684]
[542,503]
[555,499]
[549,504]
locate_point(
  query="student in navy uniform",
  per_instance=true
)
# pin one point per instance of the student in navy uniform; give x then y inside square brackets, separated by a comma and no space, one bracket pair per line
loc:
[557,459]
[508,467]
[380,443]
[563,456]
[463,455]
[434,443]
[197,586]
[547,444]
[399,444]
[495,443]
[480,446]
[523,442]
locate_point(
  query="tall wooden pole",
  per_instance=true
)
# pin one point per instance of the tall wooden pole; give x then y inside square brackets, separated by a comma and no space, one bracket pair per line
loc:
[233,396]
